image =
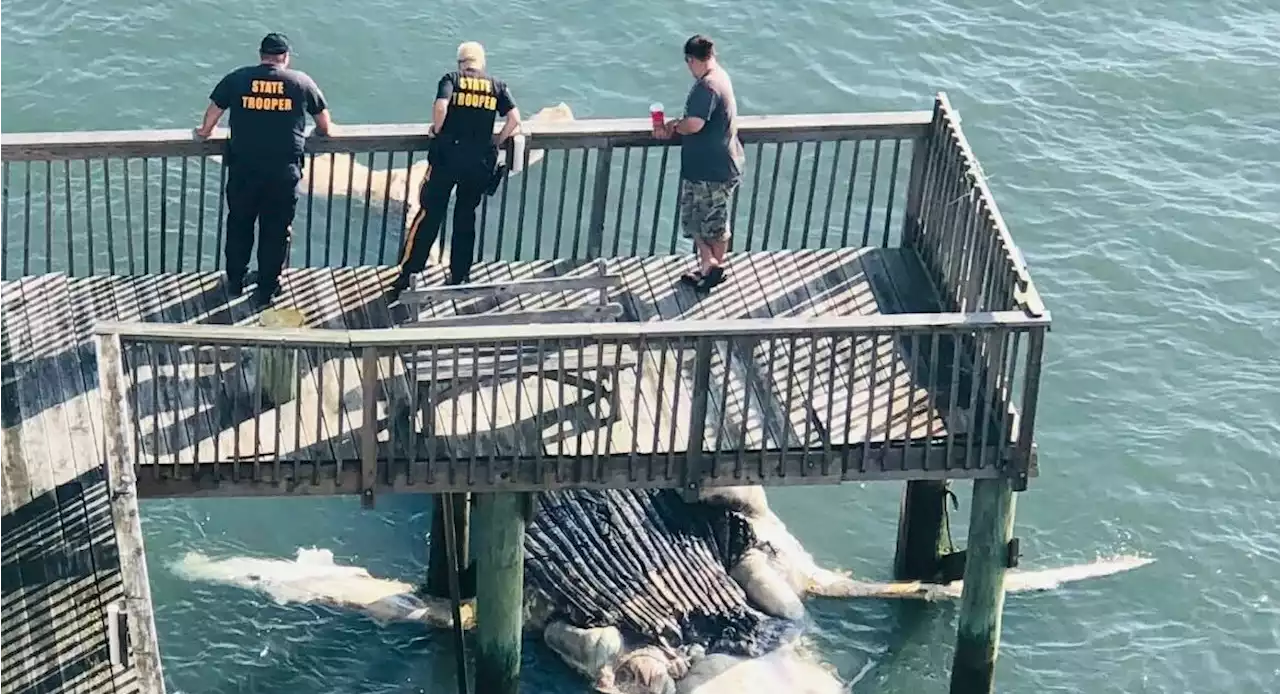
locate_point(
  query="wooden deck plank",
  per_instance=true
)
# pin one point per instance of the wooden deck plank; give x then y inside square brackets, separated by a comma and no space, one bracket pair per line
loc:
[93,298]
[134,359]
[190,426]
[80,626]
[333,294]
[843,290]
[393,387]
[639,395]
[619,428]
[316,408]
[236,418]
[764,289]
[909,290]
[581,413]
[54,614]
[671,435]
[591,437]
[824,394]
[457,419]
[890,404]
[836,286]
[199,409]
[871,368]
[19,606]
[44,666]
[156,409]
[761,290]
[763,298]
[253,421]
[729,425]
[511,432]
[773,388]
[424,416]
[303,442]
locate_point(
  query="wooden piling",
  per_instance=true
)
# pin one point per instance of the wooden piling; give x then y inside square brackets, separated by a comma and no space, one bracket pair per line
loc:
[437,583]
[920,530]
[278,367]
[499,555]
[982,598]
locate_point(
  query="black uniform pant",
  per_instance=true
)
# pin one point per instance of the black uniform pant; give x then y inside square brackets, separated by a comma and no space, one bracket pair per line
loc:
[470,173]
[269,198]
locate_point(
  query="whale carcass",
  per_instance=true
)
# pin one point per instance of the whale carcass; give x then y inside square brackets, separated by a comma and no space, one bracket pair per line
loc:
[648,573]
[641,591]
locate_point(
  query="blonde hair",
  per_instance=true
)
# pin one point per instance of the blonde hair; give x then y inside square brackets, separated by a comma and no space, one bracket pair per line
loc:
[471,54]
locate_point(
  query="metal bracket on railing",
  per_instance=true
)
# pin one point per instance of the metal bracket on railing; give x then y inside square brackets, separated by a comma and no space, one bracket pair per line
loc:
[1013,552]
[369,433]
[1028,299]
[118,634]
[1011,469]
[517,153]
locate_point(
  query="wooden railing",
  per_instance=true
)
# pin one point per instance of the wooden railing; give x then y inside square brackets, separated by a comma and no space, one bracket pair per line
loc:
[152,201]
[696,403]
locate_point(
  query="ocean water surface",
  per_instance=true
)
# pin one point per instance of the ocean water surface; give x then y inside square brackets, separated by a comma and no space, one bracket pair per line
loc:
[1134,148]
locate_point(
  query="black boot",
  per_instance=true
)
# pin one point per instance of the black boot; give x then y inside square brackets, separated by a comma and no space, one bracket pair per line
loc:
[264,294]
[235,285]
[401,283]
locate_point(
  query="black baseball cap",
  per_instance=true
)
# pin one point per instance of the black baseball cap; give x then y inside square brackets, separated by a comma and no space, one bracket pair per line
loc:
[274,44]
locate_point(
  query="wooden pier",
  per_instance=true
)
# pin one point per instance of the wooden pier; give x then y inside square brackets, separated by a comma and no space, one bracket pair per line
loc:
[878,324]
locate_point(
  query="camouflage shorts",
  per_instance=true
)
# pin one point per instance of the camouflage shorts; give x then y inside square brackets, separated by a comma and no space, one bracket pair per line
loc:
[704,209]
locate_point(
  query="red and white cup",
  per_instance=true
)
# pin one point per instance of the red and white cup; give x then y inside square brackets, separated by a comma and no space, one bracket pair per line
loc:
[656,115]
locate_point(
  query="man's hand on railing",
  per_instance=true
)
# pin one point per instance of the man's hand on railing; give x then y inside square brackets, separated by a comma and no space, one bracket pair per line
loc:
[202,133]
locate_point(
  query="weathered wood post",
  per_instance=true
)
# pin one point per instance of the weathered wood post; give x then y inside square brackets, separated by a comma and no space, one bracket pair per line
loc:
[982,598]
[499,552]
[920,530]
[118,448]
[278,366]
[438,562]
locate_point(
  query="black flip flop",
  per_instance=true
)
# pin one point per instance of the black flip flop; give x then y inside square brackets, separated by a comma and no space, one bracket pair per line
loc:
[714,276]
[691,278]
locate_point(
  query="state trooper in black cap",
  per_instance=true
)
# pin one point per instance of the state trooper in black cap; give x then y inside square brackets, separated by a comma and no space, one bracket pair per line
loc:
[269,104]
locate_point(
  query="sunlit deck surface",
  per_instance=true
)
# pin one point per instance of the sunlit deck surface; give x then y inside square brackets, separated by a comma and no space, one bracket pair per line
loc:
[206,432]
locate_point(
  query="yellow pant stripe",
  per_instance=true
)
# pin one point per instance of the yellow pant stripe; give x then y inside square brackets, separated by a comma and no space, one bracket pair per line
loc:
[417,222]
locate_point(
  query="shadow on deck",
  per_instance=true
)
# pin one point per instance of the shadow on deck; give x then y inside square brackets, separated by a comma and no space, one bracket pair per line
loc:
[893,406]
[60,571]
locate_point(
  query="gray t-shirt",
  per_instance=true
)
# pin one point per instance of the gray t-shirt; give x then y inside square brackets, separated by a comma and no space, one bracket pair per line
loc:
[713,153]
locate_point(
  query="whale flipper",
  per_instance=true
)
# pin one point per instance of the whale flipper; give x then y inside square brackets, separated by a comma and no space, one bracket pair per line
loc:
[833,585]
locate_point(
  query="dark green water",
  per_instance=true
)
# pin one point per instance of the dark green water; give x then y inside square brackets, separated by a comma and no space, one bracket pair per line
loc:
[1134,147]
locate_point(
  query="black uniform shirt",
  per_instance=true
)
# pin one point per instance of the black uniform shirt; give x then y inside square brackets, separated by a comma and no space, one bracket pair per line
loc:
[475,102]
[269,107]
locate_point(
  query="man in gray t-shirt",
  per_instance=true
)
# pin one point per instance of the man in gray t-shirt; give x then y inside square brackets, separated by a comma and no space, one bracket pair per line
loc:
[711,160]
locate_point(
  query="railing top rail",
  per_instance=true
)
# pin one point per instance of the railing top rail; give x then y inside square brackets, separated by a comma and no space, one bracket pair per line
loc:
[727,328]
[1030,297]
[357,137]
